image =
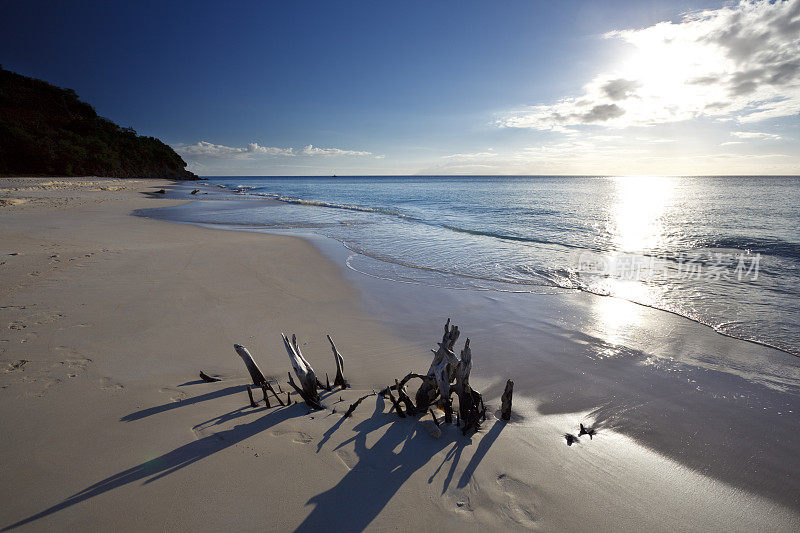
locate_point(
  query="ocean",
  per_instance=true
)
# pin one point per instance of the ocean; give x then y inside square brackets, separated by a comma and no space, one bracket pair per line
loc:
[721,251]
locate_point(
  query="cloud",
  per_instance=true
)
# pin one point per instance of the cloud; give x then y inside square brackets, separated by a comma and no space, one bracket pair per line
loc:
[313,150]
[469,156]
[207,150]
[755,135]
[740,62]
[620,89]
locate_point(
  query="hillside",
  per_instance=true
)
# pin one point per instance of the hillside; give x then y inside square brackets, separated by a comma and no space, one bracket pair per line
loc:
[47,131]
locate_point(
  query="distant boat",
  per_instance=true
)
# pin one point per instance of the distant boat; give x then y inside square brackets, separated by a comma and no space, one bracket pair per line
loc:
[334,175]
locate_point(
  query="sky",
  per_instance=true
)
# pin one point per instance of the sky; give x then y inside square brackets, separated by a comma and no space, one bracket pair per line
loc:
[644,87]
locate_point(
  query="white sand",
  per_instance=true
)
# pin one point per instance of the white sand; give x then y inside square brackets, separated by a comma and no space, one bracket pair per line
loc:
[107,320]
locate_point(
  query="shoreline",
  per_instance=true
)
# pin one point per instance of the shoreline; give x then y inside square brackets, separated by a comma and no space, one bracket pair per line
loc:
[229,194]
[150,304]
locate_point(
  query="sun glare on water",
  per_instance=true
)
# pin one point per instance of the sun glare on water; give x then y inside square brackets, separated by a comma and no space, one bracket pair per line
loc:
[636,217]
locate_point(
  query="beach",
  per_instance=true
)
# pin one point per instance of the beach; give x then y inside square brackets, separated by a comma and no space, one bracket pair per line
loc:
[108,319]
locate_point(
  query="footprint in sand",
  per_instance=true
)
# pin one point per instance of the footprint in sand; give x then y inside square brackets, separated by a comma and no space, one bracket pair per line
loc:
[297,436]
[75,366]
[17,325]
[348,458]
[15,366]
[109,385]
[175,395]
[518,506]
[351,461]
[46,318]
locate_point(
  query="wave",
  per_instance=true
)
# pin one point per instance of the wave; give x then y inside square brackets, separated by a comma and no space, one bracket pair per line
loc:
[330,205]
[504,237]
[772,246]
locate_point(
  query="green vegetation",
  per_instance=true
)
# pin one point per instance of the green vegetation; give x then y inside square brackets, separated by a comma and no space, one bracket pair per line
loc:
[47,131]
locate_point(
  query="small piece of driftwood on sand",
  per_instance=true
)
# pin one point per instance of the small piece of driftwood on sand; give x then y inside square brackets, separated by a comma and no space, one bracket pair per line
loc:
[208,379]
[505,399]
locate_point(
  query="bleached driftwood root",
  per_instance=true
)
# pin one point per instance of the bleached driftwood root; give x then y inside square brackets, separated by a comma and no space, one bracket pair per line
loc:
[305,374]
[447,374]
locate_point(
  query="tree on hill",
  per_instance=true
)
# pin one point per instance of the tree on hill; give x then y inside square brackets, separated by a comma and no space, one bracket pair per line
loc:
[47,131]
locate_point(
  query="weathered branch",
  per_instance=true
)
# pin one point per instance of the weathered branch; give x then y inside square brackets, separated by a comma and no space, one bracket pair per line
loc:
[266,400]
[268,385]
[250,395]
[387,392]
[208,379]
[505,399]
[356,403]
[411,409]
[252,367]
[339,380]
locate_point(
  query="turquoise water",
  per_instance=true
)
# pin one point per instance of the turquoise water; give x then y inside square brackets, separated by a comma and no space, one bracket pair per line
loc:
[723,251]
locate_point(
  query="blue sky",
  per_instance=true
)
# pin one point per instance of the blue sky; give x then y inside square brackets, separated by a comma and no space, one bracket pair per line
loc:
[309,88]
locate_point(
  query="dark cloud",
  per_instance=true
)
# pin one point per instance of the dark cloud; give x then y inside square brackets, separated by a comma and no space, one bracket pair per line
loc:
[764,46]
[601,113]
[620,89]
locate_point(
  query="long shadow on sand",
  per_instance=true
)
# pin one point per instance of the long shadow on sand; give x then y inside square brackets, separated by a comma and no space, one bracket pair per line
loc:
[364,491]
[381,469]
[150,411]
[178,458]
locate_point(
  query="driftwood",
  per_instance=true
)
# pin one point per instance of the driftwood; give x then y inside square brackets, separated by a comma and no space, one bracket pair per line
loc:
[268,387]
[266,400]
[339,380]
[505,410]
[250,395]
[305,373]
[435,420]
[411,409]
[252,367]
[387,393]
[356,404]
[447,374]
[208,379]
[441,370]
